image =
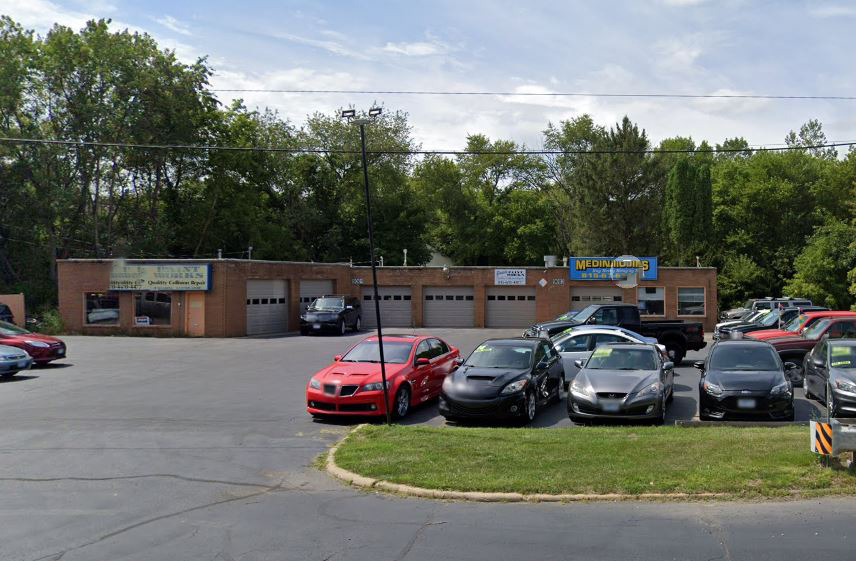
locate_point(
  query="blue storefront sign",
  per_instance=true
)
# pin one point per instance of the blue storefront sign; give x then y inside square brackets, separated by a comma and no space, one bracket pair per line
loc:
[611,268]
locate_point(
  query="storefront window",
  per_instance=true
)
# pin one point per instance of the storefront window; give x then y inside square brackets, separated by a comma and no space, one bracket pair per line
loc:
[651,301]
[102,308]
[690,301]
[152,308]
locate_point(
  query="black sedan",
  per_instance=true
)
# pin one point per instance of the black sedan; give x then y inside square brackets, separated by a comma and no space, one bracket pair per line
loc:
[832,364]
[622,381]
[745,378]
[503,379]
[332,314]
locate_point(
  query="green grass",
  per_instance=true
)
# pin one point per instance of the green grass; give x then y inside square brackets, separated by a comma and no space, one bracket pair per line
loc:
[748,462]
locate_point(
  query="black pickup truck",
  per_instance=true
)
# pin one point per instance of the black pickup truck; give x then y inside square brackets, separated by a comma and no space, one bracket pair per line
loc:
[677,336]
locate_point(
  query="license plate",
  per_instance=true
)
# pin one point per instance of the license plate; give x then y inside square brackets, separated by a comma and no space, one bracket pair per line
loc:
[61,352]
[746,403]
[316,326]
[611,407]
[22,364]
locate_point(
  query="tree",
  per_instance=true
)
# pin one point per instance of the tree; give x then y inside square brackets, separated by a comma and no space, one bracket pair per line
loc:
[811,134]
[823,265]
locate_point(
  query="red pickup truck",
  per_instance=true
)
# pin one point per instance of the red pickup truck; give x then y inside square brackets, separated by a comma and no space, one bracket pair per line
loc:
[793,348]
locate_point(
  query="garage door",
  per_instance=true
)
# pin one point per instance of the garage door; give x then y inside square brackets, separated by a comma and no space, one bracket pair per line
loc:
[267,306]
[447,306]
[585,295]
[394,307]
[312,289]
[510,306]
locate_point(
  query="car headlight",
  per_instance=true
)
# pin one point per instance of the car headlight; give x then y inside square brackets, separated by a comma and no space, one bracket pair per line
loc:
[515,387]
[845,386]
[782,389]
[652,389]
[578,388]
[38,344]
[314,384]
[377,386]
[712,389]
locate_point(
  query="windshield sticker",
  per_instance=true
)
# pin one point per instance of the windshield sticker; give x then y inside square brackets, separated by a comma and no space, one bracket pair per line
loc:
[602,352]
[483,349]
[840,363]
[839,351]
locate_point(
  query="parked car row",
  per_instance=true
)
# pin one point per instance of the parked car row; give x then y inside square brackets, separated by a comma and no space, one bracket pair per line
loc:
[20,349]
[767,303]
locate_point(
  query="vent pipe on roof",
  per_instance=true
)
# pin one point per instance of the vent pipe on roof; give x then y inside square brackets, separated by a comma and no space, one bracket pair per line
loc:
[549,260]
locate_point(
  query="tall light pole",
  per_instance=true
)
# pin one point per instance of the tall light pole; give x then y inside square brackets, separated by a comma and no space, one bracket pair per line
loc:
[351,114]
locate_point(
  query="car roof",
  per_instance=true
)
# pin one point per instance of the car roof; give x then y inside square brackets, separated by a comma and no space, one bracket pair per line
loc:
[745,342]
[844,342]
[407,337]
[597,329]
[830,313]
[628,344]
[518,340]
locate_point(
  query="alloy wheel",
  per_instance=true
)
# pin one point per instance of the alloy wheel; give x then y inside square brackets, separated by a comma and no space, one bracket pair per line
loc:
[530,406]
[358,325]
[342,327]
[402,402]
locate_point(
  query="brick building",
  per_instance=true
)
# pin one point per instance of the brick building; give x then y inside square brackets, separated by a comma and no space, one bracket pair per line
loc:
[232,298]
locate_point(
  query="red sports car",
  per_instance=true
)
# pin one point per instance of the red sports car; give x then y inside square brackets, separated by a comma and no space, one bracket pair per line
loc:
[797,325]
[43,348]
[416,366]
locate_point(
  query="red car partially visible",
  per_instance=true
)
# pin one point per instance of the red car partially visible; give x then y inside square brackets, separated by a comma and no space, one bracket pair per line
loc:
[43,348]
[416,366]
[797,325]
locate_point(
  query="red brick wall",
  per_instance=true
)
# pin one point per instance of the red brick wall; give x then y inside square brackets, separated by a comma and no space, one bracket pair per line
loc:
[225,308]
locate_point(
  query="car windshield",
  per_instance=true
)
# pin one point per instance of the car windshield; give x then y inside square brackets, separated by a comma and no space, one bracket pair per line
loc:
[771,318]
[817,329]
[612,358]
[743,357]
[9,329]
[327,304]
[796,323]
[842,356]
[583,315]
[501,355]
[566,316]
[394,352]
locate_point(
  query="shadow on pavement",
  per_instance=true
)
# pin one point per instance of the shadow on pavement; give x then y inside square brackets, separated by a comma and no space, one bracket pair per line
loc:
[52,365]
[17,378]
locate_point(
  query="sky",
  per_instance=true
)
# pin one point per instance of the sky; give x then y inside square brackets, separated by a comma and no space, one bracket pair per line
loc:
[784,47]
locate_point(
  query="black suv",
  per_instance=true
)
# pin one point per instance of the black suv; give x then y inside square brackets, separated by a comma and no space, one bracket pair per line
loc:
[6,314]
[331,313]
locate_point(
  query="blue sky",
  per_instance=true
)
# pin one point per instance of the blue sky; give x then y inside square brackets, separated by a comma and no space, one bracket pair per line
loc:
[791,47]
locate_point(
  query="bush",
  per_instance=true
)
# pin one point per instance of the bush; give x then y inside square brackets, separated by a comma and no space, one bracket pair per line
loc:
[49,322]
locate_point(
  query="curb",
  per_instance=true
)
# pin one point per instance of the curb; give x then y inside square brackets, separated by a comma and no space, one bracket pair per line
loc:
[485,497]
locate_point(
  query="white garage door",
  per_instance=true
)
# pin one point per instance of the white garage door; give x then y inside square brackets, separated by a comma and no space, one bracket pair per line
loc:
[510,306]
[585,295]
[447,306]
[394,307]
[312,289]
[267,306]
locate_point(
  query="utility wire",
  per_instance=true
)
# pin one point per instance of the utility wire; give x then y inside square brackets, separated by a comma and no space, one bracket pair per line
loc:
[13,140]
[540,94]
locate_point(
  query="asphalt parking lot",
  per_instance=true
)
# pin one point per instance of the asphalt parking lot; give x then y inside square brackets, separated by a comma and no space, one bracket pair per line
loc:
[143,448]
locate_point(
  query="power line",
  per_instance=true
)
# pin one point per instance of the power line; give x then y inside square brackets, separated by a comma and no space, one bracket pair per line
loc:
[541,94]
[205,148]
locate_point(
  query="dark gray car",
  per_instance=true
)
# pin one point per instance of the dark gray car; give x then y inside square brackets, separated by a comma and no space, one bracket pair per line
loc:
[622,381]
[832,364]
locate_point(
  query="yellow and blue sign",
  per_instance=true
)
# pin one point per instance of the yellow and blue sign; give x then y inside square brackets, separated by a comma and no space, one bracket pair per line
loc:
[610,268]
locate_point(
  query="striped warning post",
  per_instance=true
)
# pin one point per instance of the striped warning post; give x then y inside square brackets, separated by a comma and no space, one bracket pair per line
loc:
[821,438]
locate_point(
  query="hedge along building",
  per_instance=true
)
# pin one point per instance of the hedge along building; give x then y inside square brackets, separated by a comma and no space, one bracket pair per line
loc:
[232,298]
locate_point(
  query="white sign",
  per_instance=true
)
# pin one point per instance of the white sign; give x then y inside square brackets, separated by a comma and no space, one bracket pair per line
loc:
[142,320]
[542,283]
[509,276]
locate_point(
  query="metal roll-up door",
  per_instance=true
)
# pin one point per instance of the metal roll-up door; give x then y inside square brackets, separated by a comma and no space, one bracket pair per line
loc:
[448,306]
[510,306]
[394,306]
[582,296]
[267,306]
[312,289]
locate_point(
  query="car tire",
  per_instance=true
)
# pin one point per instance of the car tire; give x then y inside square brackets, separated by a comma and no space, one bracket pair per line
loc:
[358,325]
[789,418]
[530,407]
[401,404]
[341,327]
[661,414]
[676,352]
[558,397]
[304,332]
[671,397]
[831,406]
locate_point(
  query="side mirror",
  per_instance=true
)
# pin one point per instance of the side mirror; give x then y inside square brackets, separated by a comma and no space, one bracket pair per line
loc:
[578,363]
[817,361]
[668,365]
[423,361]
[591,320]
[699,364]
[459,361]
[337,358]
[349,307]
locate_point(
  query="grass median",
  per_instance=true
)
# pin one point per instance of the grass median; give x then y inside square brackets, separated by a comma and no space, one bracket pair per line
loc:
[746,462]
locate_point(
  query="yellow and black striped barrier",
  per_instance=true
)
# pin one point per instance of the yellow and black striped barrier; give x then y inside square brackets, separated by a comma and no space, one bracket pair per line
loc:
[821,438]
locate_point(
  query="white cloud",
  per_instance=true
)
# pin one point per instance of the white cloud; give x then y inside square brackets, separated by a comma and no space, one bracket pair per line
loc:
[418,48]
[41,15]
[334,47]
[832,11]
[173,25]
